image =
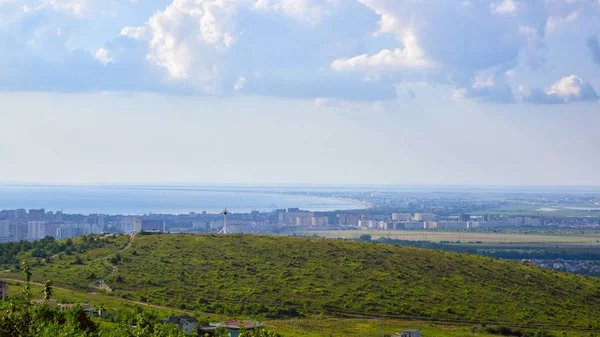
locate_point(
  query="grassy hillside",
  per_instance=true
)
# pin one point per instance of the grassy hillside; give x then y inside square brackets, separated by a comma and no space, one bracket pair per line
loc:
[277,276]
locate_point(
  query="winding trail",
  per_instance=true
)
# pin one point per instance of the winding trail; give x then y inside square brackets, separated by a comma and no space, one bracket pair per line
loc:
[101,283]
[144,304]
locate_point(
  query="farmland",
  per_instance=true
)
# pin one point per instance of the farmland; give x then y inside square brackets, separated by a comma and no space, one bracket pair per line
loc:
[464,237]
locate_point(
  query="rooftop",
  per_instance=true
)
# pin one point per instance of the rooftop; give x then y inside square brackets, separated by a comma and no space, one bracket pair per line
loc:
[178,319]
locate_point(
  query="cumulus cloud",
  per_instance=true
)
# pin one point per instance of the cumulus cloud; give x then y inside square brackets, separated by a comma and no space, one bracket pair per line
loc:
[594,47]
[102,55]
[487,85]
[75,7]
[504,7]
[300,48]
[185,29]
[137,33]
[241,82]
[566,90]
[411,56]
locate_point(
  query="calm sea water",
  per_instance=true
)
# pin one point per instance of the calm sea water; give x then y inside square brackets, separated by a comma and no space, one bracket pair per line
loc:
[160,199]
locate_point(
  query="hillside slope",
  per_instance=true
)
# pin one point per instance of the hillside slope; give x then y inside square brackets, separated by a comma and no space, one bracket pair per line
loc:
[286,275]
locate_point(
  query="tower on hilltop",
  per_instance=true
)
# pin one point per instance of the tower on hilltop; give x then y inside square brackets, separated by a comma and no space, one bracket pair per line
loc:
[225,229]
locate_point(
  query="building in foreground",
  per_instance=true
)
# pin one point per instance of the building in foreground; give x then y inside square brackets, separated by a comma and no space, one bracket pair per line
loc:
[408,333]
[187,324]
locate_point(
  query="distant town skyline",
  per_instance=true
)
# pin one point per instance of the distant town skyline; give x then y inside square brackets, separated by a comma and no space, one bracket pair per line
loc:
[494,92]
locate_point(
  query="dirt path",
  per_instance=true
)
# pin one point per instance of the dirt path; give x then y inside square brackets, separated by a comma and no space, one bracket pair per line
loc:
[101,283]
[143,304]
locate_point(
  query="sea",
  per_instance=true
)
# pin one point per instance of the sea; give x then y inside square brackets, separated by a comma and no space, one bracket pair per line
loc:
[146,199]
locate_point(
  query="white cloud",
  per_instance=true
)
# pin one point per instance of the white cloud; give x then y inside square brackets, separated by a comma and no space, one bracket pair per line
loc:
[74,7]
[137,33]
[567,87]
[459,94]
[553,23]
[411,56]
[186,29]
[504,7]
[566,90]
[102,55]
[487,85]
[241,82]
[389,22]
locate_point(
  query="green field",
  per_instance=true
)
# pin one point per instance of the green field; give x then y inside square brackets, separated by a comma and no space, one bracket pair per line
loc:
[297,327]
[437,236]
[267,276]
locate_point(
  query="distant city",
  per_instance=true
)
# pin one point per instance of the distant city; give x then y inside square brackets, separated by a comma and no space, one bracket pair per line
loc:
[387,209]
[36,224]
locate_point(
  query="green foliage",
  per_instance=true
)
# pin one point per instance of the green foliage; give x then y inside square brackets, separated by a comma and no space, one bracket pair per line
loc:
[26,321]
[270,277]
[507,331]
[365,238]
[27,276]
[11,253]
[47,290]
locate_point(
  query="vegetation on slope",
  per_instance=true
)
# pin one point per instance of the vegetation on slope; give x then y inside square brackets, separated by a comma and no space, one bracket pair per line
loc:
[279,276]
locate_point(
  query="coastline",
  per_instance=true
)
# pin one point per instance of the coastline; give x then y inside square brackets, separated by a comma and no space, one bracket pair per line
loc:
[135,201]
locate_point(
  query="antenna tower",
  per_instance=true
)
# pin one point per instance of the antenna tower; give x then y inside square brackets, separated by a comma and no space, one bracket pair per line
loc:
[225,229]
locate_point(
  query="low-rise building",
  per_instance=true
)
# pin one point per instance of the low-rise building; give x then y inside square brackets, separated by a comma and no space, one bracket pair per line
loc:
[187,324]
[408,333]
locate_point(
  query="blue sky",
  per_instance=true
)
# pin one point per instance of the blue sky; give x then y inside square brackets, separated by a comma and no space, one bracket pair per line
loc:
[300,91]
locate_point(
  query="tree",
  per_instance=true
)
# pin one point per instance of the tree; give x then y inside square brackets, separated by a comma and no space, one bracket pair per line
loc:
[47,290]
[365,237]
[77,318]
[27,275]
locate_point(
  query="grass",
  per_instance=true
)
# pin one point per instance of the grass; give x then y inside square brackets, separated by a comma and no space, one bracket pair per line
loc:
[297,327]
[362,327]
[437,236]
[267,276]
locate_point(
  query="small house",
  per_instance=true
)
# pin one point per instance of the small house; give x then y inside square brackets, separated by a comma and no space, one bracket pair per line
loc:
[408,333]
[187,324]
[86,307]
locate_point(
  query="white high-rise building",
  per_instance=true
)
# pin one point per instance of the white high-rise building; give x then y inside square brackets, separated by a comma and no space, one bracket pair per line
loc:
[137,226]
[4,228]
[401,216]
[36,230]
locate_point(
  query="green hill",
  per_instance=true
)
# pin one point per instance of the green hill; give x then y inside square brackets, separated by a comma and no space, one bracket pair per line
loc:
[287,276]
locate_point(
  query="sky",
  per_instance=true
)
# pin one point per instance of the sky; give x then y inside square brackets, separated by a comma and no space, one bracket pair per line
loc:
[486,92]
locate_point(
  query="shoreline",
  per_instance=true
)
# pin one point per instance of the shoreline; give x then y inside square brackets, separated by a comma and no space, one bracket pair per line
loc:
[138,202]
